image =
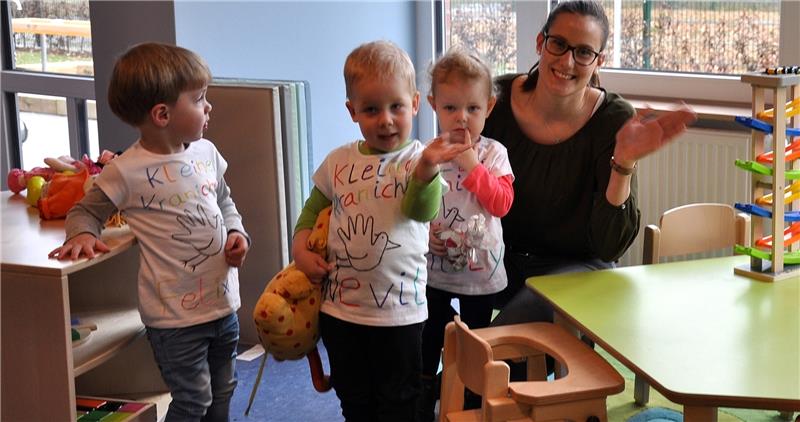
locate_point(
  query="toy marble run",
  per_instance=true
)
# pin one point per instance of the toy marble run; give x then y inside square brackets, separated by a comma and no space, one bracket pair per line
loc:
[791,193]
[790,235]
[777,157]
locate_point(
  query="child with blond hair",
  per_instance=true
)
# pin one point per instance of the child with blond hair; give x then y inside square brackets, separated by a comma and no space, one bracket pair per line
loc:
[465,261]
[384,190]
[169,185]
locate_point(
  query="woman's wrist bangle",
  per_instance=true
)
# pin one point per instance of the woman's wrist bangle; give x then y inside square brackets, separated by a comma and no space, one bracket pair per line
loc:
[625,171]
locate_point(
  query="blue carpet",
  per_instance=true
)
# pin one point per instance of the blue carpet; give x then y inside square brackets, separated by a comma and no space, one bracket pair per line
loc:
[657,414]
[285,394]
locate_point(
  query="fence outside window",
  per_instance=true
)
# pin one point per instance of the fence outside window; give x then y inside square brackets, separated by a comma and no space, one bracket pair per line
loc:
[487,28]
[719,37]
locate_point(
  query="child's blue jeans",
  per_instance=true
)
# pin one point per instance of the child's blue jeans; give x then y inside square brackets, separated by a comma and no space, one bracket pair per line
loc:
[198,365]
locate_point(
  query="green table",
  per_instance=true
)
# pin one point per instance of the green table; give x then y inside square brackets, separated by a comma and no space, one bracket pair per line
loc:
[701,335]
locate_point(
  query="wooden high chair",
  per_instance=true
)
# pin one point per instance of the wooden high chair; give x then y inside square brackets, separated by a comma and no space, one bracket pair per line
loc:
[472,358]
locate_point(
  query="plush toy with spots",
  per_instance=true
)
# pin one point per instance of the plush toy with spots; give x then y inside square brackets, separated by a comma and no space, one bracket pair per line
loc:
[287,312]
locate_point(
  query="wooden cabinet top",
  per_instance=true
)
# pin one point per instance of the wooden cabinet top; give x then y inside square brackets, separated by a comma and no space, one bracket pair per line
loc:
[27,239]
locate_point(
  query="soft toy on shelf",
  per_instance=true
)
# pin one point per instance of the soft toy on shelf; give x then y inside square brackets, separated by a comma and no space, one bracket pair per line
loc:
[62,192]
[287,313]
[18,179]
[56,188]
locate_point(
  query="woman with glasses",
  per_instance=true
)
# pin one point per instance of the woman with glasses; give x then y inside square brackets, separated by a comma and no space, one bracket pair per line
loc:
[573,149]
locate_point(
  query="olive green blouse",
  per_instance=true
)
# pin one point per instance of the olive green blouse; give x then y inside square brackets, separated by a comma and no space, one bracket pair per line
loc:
[560,208]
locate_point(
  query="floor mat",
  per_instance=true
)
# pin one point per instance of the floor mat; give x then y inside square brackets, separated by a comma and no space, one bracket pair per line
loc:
[657,414]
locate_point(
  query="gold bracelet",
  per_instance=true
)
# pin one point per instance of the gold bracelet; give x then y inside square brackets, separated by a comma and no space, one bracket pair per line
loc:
[625,171]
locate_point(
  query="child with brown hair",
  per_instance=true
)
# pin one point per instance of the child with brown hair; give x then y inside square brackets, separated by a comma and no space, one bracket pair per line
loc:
[169,185]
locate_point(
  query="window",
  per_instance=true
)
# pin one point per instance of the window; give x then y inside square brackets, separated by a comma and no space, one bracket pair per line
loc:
[47,82]
[488,28]
[694,50]
[718,37]
[52,36]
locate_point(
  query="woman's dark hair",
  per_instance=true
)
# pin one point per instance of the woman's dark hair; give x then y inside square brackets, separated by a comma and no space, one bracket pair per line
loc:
[588,8]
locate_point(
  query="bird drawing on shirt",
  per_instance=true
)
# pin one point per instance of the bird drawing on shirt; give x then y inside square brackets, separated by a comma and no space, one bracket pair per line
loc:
[364,247]
[205,246]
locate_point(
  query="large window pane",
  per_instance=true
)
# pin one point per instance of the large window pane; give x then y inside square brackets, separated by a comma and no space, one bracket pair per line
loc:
[486,27]
[720,37]
[45,130]
[52,36]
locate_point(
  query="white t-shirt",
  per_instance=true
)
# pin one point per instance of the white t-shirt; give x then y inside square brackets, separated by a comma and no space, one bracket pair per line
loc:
[486,274]
[380,274]
[170,203]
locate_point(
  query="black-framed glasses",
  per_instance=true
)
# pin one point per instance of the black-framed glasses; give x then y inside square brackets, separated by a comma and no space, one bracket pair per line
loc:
[558,46]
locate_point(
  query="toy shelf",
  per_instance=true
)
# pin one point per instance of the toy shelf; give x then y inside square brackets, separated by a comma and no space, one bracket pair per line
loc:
[774,165]
[41,296]
[116,329]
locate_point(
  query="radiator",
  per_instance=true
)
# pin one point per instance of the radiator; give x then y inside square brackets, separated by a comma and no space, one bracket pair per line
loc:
[696,167]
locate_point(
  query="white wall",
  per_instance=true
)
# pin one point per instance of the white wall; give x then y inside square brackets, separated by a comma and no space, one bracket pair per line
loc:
[299,40]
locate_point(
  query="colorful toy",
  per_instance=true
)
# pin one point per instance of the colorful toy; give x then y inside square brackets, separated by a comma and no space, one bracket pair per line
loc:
[287,313]
[34,186]
[773,256]
[755,167]
[17,179]
[791,234]
[792,109]
[56,188]
[791,153]
[763,126]
[782,70]
[61,193]
[790,193]
[763,212]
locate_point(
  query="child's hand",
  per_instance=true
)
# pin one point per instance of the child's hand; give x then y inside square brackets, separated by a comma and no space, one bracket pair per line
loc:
[84,244]
[236,249]
[468,159]
[442,149]
[436,245]
[312,265]
[309,262]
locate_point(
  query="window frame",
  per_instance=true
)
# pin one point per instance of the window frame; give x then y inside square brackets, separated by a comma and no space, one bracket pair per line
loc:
[76,90]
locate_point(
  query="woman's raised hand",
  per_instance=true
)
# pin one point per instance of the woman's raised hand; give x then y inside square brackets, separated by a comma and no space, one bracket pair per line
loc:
[642,134]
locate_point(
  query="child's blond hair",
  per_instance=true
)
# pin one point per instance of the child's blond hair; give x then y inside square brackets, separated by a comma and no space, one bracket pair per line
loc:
[460,62]
[153,73]
[378,59]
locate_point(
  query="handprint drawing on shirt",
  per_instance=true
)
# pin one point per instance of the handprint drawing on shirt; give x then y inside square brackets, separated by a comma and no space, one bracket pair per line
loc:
[364,248]
[204,247]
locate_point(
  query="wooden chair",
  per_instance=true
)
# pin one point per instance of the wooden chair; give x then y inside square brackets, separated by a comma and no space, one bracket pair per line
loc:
[689,229]
[472,358]
[695,228]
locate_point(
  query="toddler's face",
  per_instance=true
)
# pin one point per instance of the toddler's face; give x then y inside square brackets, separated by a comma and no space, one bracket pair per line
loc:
[384,109]
[190,115]
[462,104]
